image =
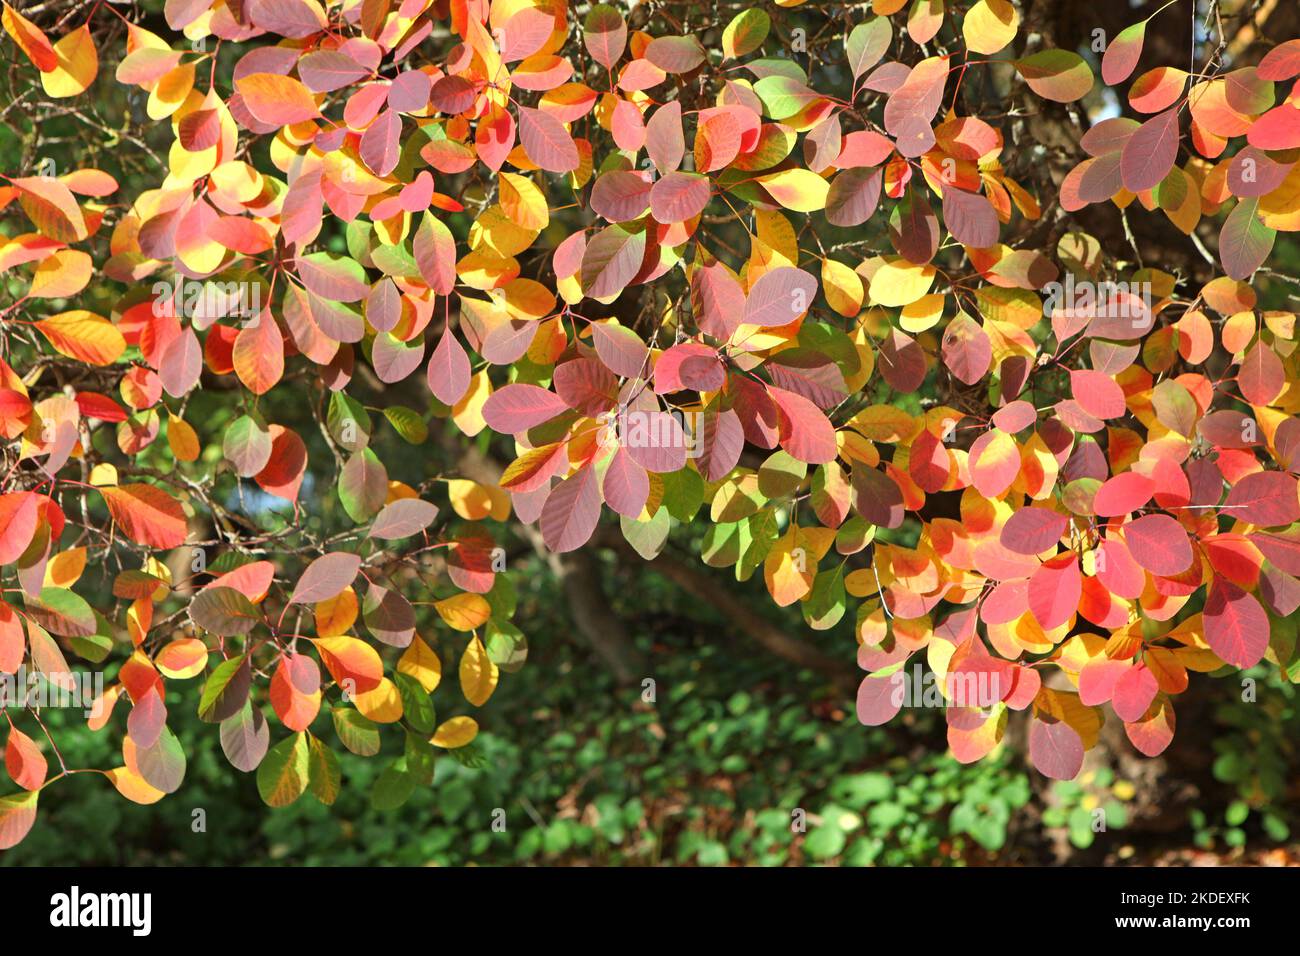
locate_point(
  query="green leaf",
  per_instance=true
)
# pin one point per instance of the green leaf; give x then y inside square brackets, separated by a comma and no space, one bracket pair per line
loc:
[363,486]
[17,814]
[283,775]
[323,772]
[229,678]
[348,422]
[62,612]
[506,646]
[358,733]
[407,423]
[224,612]
[746,32]
[417,705]
[393,787]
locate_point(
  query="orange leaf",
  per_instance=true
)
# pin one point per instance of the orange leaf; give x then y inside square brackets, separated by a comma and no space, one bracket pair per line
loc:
[146,514]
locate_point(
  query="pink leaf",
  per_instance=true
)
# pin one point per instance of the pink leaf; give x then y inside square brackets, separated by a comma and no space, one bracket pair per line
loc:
[679,196]
[1055,749]
[518,407]
[779,297]
[546,141]
[571,511]
[449,369]
[626,485]
[1150,152]
[326,577]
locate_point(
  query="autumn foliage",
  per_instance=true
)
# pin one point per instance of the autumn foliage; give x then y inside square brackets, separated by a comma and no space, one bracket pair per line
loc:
[678,282]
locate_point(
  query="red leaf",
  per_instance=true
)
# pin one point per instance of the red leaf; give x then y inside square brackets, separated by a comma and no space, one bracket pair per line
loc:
[1277,129]
[1033,530]
[1159,544]
[1155,730]
[326,577]
[1266,498]
[970,218]
[967,351]
[605,34]
[620,195]
[1122,54]
[1134,691]
[1097,392]
[403,518]
[663,137]
[381,143]
[1280,63]
[879,700]
[1055,589]
[282,476]
[718,300]
[853,196]
[692,365]
[877,498]
[619,348]
[24,760]
[1282,548]
[806,433]
[928,462]
[1123,494]
[1236,627]
[611,261]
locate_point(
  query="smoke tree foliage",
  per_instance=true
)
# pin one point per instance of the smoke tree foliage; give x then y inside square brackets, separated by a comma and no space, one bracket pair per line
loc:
[680,260]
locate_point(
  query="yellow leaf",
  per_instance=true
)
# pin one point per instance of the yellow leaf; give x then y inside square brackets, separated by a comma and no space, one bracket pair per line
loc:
[382,704]
[335,615]
[922,314]
[800,190]
[78,62]
[84,336]
[897,282]
[454,733]
[843,288]
[990,25]
[478,674]
[62,275]
[421,661]
[464,612]
[527,299]
[182,439]
[468,412]
[474,502]
[522,201]
[132,786]
[65,568]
